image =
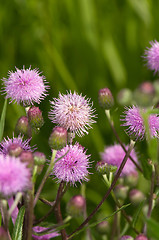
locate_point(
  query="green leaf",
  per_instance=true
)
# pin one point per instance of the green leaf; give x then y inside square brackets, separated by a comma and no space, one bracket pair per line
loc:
[147,168]
[2,121]
[152,228]
[17,231]
[136,216]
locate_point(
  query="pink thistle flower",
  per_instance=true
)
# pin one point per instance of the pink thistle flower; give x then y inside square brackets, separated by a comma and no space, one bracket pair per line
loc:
[133,120]
[152,56]
[7,143]
[73,165]
[14,176]
[115,154]
[73,112]
[25,86]
[46,236]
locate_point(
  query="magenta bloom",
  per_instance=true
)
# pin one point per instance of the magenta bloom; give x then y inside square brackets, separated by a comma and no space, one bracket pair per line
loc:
[73,112]
[115,154]
[47,236]
[6,143]
[14,176]
[73,167]
[152,56]
[133,120]
[25,86]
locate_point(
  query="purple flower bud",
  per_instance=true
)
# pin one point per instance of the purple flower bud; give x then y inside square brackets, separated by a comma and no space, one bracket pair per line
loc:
[144,94]
[131,179]
[39,160]
[14,150]
[152,56]
[136,196]
[58,138]
[35,117]
[126,237]
[76,205]
[103,227]
[105,168]
[27,157]
[105,98]
[141,237]
[22,127]
[124,96]
[121,192]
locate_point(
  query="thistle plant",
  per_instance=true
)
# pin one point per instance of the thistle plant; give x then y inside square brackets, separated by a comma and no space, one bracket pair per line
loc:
[25,169]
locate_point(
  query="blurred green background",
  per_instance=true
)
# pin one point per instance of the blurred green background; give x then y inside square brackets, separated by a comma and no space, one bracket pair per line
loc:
[81,45]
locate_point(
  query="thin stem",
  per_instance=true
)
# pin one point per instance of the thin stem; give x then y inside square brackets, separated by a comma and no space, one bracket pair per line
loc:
[132,143]
[15,203]
[45,177]
[51,209]
[58,211]
[107,112]
[151,196]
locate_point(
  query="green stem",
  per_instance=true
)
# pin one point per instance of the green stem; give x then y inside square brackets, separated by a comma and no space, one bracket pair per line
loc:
[45,177]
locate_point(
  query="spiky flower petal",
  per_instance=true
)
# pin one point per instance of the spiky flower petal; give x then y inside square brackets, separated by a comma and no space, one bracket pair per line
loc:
[152,56]
[7,143]
[73,112]
[135,123]
[14,176]
[25,86]
[115,154]
[73,165]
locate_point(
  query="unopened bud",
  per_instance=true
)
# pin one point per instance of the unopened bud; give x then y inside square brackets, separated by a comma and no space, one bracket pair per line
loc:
[141,237]
[124,97]
[103,227]
[27,157]
[39,160]
[3,234]
[14,150]
[136,196]
[131,179]
[58,138]
[105,98]
[76,206]
[144,94]
[22,127]
[126,237]
[35,117]
[121,192]
[105,168]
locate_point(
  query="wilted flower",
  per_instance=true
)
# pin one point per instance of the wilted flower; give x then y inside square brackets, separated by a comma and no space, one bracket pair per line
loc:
[73,112]
[115,154]
[7,143]
[25,86]
[14,176]
[73,165]
[45,236]
[152,56]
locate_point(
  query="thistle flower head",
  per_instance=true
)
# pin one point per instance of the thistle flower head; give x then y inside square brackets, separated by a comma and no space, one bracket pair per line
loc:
[115,154]
[152,56]
[25,86]
[73,112]
[135,123]
[73,164]
[45,236]
[6,144]
[14,176]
